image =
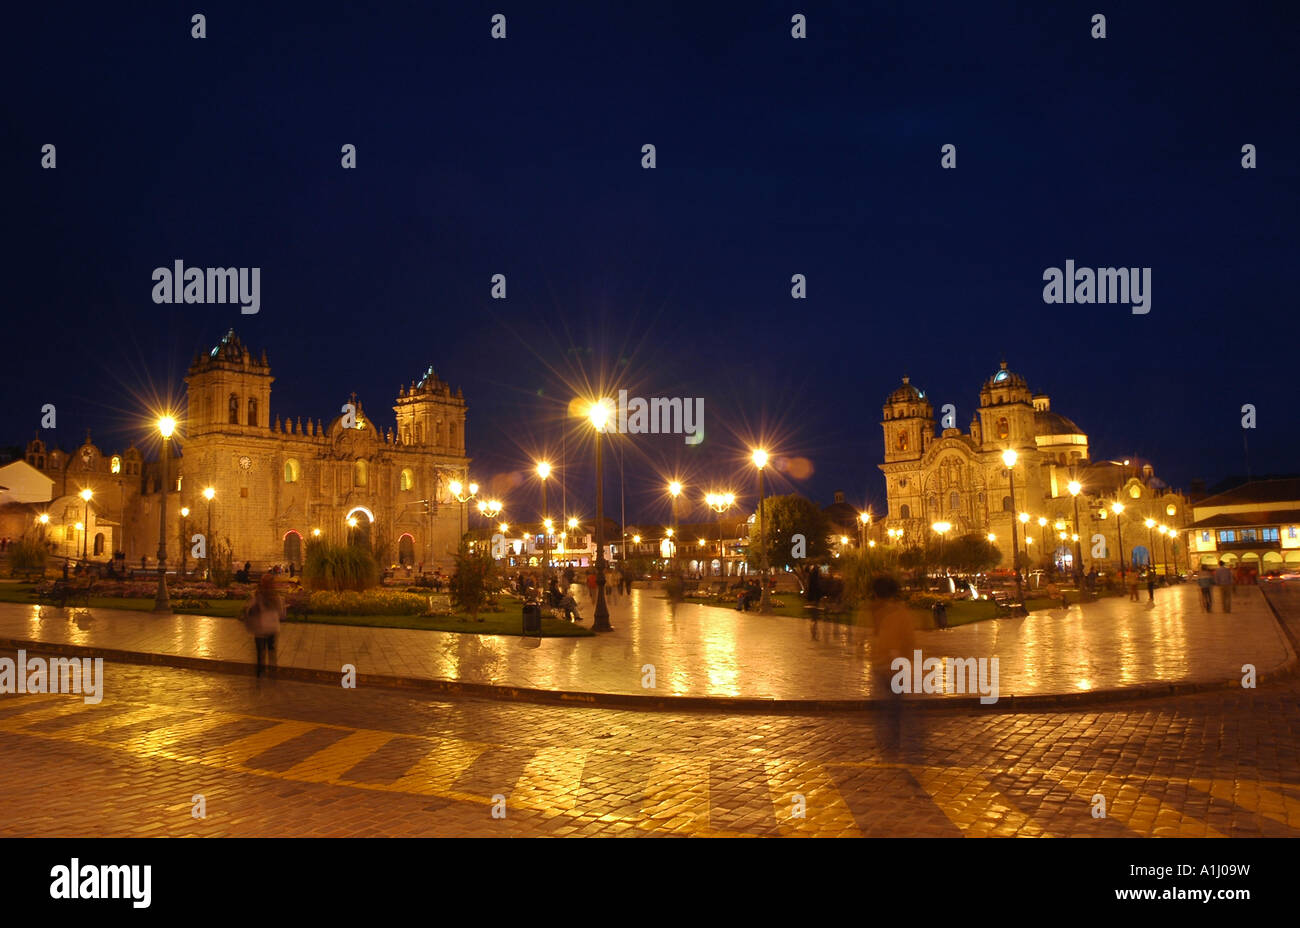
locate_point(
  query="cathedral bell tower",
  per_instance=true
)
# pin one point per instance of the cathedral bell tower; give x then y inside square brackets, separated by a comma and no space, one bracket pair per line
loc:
[430,416]
[1006,413]
[228,390]
[908,424]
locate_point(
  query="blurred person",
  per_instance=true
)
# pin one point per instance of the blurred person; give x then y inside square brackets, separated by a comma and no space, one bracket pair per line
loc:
[1205,581]
[1223,580]
[893,638]
[262,616]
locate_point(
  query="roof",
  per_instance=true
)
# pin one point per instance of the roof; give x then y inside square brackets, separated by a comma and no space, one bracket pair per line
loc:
[1252,517]
[1053,423]
[1283,490]
[906,393]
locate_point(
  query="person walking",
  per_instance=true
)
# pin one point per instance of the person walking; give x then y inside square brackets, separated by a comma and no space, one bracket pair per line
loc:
[1133,586]
[262,616]
[591,585]
[1151,585]
[1223,580]
[1205,580]
[893,639]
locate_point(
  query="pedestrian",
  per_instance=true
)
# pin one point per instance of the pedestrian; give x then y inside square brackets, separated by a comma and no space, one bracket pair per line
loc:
[591,585]
[1133,586]
[1223,580]
[814,591]
[1205,581]
[262,616]
[291,567]
[1151,585]
[893,639]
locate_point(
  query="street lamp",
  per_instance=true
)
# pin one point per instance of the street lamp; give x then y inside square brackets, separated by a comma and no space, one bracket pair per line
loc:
[759,457]
[598,415]
[1009,459]
[544,471]
[166,425]
[1075,488]
[864,518]
[208,494]
[942,528]
[463,495]
[85,494]
[1164,547]
[720,503]
[674,491]
[185,516]
[1151,545]
[1117,508]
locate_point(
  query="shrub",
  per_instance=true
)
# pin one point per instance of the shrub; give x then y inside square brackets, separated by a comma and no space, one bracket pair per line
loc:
[27,554]
[369,602]
[338,567]
[472,579]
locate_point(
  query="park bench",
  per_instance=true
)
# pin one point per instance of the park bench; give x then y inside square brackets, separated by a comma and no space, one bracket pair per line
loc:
[63,593]
[298,605]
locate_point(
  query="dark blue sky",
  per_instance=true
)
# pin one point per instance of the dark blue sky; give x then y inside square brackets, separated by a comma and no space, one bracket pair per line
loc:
[775,157]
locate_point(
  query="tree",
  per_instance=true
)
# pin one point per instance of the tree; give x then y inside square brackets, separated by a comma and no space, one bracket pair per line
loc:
[970,553]
[859,569]
[783,518]
[472,579]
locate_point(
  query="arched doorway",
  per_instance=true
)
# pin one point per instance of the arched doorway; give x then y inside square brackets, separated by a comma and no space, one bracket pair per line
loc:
[1141,557]
[293,548]
[406,550]
[358,523]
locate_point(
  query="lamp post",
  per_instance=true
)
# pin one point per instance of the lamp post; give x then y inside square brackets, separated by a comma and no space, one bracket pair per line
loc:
[463,495]
[598,415]
[1009,459]
[1151,545]
[759,457]
[208,494]
[942,528]
[544,471]
[185,516]
[1117,507]
[1042,535]
[864,518]
[720,503]
[85,494]
[166,425]
[1164,547]
[489,510]
[1075,487]
[674,491]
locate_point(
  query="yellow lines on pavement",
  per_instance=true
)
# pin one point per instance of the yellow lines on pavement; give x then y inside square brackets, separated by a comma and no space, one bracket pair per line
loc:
[41,708]
[825,813]
[973,803]
[1253,797]
[242,750]
[330,763]
[1130,803]
[550,781]
[676,796]
[436,772]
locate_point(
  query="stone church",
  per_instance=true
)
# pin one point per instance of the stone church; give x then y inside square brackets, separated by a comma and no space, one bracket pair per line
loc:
[959,478]
[277,482]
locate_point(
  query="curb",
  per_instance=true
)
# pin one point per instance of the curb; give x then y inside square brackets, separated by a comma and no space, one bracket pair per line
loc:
[1004,705]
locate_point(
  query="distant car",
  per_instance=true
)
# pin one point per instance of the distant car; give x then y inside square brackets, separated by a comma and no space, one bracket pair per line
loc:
[1279,576]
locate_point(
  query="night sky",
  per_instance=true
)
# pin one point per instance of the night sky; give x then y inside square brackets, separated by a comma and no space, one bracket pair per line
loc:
[775,156]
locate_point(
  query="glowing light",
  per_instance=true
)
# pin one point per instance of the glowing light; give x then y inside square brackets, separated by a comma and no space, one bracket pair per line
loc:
[455,487]
[992,537]
[166,425]
[1009,458]
[759,457]
[573,523]
[598,415]
[352,522]
[1074,487]
[1117,507]
[185,512]
[549,525]
[43,518]
[1024,518]
[543,469]
[1150,523]
[208,493]
[636,539]
[81,527]
[674,489]
[871,544]
[86,494]
[941,527]
[315,533]
[504,527]
[864,517]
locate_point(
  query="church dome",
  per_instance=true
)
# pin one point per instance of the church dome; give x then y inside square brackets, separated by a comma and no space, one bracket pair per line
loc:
[907,393]
[1053,423]
[1004,377]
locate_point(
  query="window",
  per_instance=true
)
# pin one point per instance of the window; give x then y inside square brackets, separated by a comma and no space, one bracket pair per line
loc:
[1290,531]
[1227,536]
[451,436]
[1006,504]
[99,543]
[359,474]
[292,471]
[905,512]
[1205,536]
[234,409]
[419,433]
[954,500]
[252,410]
[115,465]
[243,492]
[1135,491]
[1004,428]
[902,481]
[408,479]
[902,441]
[1268,534]
[1249,534]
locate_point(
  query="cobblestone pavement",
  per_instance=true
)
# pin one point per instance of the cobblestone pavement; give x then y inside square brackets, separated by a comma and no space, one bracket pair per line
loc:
[718,652]
[286,758]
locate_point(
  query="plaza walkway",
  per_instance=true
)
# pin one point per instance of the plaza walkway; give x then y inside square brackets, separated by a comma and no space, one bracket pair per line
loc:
[717,653]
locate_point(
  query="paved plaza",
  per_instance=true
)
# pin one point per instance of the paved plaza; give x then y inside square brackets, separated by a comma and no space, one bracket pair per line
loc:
[719,653]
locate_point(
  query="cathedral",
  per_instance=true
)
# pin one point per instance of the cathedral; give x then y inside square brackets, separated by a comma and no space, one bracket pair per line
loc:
[274,482]
[959,478]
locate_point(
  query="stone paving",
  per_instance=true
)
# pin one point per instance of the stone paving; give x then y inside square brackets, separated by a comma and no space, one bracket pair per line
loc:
[281,758]
[711,651]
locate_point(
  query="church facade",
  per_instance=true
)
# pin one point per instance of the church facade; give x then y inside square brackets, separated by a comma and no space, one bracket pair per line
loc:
[959,478]
[276,482]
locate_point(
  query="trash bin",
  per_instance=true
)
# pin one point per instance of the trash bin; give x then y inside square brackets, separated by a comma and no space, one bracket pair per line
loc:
[940,615]
[532,619]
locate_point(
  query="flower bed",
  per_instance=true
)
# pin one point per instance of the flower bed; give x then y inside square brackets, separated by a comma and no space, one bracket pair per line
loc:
[379,602]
